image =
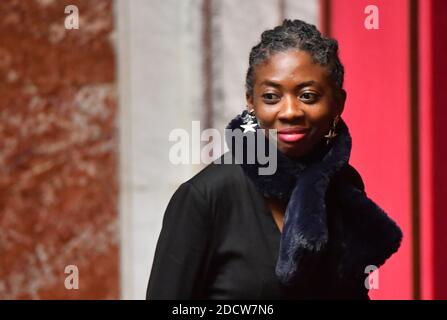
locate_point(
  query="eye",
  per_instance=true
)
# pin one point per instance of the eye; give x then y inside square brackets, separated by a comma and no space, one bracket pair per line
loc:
[309,97]
[270,98]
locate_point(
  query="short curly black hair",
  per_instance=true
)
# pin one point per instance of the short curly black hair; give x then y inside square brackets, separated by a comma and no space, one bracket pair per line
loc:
[296,34]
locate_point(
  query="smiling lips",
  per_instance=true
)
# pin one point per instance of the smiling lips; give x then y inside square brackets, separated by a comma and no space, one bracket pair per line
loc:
[292,134]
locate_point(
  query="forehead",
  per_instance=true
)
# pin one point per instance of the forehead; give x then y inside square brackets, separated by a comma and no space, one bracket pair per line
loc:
[291,66]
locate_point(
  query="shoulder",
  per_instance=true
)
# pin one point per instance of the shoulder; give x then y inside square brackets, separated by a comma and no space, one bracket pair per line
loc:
[210,190]
[198,197]
[217,177]
[349,175]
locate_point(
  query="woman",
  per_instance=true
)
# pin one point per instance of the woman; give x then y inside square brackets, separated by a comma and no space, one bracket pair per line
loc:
[307,231]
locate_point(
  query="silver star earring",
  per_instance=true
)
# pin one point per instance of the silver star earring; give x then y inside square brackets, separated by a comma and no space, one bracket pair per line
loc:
[332,132]
[249,120]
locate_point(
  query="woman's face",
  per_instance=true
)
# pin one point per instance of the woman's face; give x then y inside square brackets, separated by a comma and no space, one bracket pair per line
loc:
[295,96]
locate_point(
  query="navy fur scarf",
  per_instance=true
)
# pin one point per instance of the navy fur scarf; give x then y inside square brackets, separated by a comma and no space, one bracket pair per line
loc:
[329,220]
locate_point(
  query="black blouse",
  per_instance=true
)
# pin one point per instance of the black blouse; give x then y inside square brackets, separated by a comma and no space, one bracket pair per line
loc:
[218,240]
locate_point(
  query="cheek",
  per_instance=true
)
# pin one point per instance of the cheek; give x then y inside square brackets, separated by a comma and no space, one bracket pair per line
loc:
[266,117]
[320,119]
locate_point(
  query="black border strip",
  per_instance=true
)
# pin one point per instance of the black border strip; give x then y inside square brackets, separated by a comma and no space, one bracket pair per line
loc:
[207,62]
[326,17]
[415,143]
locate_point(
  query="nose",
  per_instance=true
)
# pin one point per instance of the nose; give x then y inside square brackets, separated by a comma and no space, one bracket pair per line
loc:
[290,109]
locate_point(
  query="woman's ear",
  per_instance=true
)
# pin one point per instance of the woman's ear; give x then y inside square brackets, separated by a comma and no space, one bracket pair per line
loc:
[340,101]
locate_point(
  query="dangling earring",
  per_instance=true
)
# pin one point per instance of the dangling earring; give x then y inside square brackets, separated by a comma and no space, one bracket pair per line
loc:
[332,134]
[249,120]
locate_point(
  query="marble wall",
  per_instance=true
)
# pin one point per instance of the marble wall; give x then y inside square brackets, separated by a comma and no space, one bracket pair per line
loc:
[58,150]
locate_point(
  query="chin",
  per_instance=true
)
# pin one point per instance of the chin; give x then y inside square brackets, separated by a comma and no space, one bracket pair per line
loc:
[293,151]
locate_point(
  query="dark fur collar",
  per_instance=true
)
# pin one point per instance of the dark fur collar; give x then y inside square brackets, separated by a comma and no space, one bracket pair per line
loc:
[367,237]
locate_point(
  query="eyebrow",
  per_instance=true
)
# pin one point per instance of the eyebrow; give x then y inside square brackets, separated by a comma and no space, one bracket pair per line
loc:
[270,83]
